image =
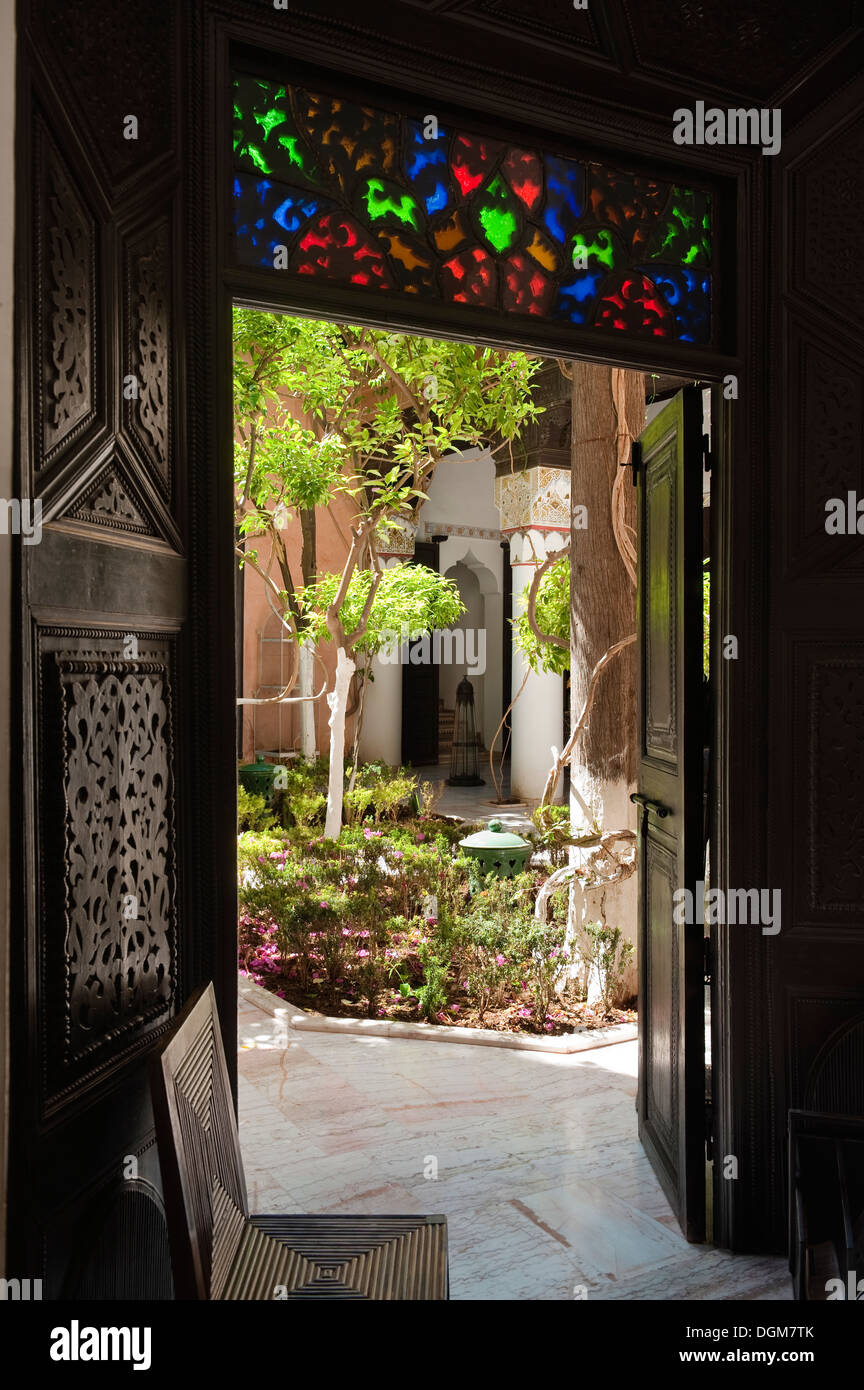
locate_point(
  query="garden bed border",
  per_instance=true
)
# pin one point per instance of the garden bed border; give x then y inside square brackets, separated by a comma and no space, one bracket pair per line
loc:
[581,1040]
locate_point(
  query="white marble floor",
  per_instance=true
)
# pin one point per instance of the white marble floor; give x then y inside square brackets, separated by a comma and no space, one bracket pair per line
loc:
[539,1170]
[476,803]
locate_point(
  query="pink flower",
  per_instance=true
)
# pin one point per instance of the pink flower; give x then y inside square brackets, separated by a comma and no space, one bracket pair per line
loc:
[524,1013]
[454,1008]
[549,1027]
[500,960]
[397,854]
[420,838]
[361,953]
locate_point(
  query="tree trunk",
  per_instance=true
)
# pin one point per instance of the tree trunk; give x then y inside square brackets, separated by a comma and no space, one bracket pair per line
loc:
[308,564]
[305,687]
[338,702]
[602,612]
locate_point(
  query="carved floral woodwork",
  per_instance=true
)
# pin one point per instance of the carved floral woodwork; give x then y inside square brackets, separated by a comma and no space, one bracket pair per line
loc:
[117,947]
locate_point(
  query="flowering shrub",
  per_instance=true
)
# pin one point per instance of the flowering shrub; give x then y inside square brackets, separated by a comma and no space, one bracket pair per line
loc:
[385,919]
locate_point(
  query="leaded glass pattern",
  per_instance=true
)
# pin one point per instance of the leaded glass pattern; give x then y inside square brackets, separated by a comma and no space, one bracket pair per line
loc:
[327,189]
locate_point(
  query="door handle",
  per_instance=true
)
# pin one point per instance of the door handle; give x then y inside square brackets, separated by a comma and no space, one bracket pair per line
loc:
[648,805]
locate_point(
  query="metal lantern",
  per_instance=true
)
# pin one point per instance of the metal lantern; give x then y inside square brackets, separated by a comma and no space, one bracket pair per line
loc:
[463,754]
[497,850]
[257,778]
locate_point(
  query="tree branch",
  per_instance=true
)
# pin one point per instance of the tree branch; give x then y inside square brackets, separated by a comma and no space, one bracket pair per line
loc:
[566,753]
[531,611]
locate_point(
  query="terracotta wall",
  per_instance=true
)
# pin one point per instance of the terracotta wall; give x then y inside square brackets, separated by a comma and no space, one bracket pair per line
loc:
[273,727]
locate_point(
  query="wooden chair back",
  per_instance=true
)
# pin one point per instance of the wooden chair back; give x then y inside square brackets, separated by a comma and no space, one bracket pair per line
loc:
[199,1149]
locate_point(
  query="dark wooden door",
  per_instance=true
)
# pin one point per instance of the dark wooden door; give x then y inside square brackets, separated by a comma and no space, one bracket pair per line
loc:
[420,691]
[97,966]
[670,772]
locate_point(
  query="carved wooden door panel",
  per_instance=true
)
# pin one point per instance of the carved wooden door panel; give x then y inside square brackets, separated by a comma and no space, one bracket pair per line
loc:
[670,771]
[97,968]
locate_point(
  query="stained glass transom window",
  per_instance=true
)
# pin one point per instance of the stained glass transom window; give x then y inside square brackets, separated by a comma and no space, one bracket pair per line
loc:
[356,195]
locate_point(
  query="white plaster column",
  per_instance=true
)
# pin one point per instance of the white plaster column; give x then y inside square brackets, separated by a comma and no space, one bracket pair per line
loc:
[381,735]
[538,714]
[494,605]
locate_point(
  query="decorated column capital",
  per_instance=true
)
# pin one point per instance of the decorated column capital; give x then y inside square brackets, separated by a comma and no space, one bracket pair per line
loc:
[534,499]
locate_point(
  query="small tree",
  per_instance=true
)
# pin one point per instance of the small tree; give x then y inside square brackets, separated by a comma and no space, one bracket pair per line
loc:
[386,407]
[410,600]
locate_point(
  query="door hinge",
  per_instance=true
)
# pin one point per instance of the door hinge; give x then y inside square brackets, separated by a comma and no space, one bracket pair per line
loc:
[635,460]
[709,1131]
[707,959]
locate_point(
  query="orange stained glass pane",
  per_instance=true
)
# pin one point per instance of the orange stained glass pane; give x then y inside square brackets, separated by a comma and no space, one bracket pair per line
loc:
[452,234]
[405,253]
[543,253]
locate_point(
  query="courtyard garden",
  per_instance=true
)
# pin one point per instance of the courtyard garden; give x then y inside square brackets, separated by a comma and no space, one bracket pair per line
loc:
[393,919]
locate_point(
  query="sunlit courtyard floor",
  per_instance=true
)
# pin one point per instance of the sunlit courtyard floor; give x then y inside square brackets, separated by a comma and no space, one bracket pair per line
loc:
[476,803]
[533,1158]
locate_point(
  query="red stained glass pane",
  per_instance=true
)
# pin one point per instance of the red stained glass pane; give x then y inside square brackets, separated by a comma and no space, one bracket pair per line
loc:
[470,278]
[525,289]
[631,304]
[524,173]
[336,247]
[471,159]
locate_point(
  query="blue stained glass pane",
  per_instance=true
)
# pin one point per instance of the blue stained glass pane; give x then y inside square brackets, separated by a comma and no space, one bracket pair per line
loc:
[267,214]
[437,201]
[426,166]
[565,196]
[687,291]
[576,298]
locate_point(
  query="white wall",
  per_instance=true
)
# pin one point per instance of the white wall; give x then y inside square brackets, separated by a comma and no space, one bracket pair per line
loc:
[7,357]
[462,494]
[462,491]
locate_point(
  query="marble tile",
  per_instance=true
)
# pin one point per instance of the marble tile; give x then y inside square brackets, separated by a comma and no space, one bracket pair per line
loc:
[533,1158]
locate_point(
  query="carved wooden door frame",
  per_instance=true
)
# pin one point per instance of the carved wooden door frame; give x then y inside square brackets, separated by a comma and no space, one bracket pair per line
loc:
[362,76]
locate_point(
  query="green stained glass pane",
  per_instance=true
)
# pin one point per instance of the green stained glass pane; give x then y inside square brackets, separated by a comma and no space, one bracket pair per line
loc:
[595,248]
[297,154]
[683,233]
[268,119]
[266,136]
[256,157]
[386,201]
[498,215]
